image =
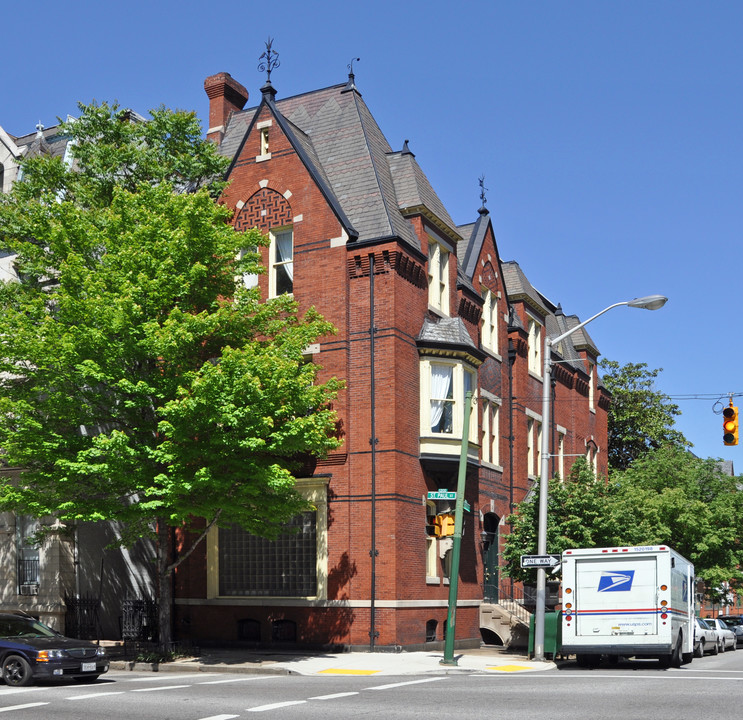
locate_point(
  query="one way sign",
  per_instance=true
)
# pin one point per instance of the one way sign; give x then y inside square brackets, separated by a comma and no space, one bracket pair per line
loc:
[539,561]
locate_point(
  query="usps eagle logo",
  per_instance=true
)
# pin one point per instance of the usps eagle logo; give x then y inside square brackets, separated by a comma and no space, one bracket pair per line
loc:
[617,581]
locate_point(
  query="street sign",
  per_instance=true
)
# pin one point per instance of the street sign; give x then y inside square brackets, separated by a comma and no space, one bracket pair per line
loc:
[539,561]
[442,495]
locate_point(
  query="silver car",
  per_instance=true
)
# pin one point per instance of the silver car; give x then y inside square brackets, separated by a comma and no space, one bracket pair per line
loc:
[705,639]
[725,636]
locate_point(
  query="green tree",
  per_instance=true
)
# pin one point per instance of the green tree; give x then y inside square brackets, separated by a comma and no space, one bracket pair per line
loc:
[641,418]
[668,496]
[139,380]
[688,503]
[577,517]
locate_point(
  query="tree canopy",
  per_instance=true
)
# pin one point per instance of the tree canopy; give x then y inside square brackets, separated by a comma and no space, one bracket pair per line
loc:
[668,496]
[140,381]
[641,418]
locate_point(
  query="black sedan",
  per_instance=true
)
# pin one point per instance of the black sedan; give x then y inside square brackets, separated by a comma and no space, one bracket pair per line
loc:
[30,650]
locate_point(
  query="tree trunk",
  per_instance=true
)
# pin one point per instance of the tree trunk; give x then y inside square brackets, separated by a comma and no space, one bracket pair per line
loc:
[164,571]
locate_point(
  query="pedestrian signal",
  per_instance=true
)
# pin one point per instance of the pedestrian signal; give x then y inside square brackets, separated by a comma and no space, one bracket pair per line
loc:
[730,425]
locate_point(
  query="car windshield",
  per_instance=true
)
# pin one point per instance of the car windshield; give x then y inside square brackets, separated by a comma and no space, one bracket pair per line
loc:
[703,624]
[24,627]
[734,621]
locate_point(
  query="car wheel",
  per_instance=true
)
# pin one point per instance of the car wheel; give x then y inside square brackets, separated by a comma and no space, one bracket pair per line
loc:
[715,649]
[16,671]
[734,646]
[722,646]
[699,649]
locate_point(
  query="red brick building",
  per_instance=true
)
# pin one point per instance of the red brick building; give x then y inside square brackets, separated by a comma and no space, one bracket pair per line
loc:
[425,310]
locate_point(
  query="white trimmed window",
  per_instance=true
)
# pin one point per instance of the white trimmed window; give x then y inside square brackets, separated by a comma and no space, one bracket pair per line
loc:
[491,431]
[293,565]
[535,346]
[592,452]
[490,322]
[538,440]
[438,276]
[281,262]
[444,385]
[591,386]
[530,454]
[432,556]
[561,453]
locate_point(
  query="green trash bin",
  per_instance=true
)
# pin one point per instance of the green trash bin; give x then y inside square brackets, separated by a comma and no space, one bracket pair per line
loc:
[552,634]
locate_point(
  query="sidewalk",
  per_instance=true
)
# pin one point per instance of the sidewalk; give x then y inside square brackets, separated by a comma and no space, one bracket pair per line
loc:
[486,659]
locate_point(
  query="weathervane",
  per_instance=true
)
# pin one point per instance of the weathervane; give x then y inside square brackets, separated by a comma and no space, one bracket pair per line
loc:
[269,61]
[483,190]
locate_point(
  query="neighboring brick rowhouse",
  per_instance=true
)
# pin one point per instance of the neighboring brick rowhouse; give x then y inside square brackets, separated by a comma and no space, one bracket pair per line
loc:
[369,234]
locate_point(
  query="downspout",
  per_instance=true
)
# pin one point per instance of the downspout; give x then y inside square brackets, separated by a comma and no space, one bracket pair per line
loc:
[373,634]
[511,361]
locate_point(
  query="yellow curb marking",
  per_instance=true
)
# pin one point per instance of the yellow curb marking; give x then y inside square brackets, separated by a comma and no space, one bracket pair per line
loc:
[348,672]
[509,668]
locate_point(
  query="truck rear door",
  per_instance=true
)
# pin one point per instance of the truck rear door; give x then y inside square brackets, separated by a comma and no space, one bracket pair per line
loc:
[616,596]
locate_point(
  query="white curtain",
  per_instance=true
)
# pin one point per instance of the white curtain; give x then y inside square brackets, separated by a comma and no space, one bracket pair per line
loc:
[284,242]
[441,376]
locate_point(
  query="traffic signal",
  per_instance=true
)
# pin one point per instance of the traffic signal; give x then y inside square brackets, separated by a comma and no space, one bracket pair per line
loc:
[730,425]
[443,525]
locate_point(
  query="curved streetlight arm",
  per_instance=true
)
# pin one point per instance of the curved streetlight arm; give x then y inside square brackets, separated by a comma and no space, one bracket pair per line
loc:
[554,341]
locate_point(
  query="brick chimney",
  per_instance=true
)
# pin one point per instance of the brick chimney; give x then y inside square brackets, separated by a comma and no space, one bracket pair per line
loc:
[225,96]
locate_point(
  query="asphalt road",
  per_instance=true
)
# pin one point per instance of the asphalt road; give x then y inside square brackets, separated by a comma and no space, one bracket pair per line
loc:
[712,686]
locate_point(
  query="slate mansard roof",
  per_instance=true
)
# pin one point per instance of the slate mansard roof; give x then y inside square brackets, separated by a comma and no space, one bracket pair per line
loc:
[367,182]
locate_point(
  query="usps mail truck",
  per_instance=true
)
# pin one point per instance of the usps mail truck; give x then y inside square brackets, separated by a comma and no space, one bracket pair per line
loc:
[627,601]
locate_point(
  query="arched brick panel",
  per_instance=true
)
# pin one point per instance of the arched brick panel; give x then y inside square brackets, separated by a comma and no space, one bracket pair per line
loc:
[265,210]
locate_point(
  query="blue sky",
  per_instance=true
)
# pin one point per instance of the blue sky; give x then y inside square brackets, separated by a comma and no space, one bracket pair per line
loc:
[609,135]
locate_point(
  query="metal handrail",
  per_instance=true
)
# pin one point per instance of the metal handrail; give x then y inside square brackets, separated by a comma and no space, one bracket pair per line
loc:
[514,599]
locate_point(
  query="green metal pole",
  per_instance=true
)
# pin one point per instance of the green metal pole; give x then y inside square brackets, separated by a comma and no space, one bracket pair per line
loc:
[451,620]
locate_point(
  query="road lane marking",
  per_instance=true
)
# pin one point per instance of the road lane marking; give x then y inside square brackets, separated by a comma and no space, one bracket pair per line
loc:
[95,695]
[343,671]
[275,706]
[409,682]
[333,696]
[163,677]
[233,680]
[158,689]
[23,707]
[220,717]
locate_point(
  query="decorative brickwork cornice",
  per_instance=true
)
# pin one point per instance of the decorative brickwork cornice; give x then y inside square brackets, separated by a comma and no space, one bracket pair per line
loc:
[563,375]
[469,310]
[391,260]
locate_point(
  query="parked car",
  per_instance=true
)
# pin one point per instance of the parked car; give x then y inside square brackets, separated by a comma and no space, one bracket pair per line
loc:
[705,639]
[30,650]
[735,623]
[725,636]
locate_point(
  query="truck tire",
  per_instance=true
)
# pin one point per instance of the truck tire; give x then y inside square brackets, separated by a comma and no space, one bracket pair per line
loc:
[676,659]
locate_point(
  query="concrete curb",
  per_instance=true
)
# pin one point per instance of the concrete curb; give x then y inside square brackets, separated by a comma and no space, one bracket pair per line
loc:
[174,667]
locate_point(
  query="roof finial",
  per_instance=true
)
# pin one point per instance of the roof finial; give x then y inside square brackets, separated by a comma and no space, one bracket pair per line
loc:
[351,76]
[483,210]
[351,85]
[39,129]
[269,61]
[406,150]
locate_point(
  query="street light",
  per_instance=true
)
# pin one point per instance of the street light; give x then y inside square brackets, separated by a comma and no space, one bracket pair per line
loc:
[650,302]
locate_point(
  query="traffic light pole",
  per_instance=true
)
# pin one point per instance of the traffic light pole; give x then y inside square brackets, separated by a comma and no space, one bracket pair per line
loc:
[451,619]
